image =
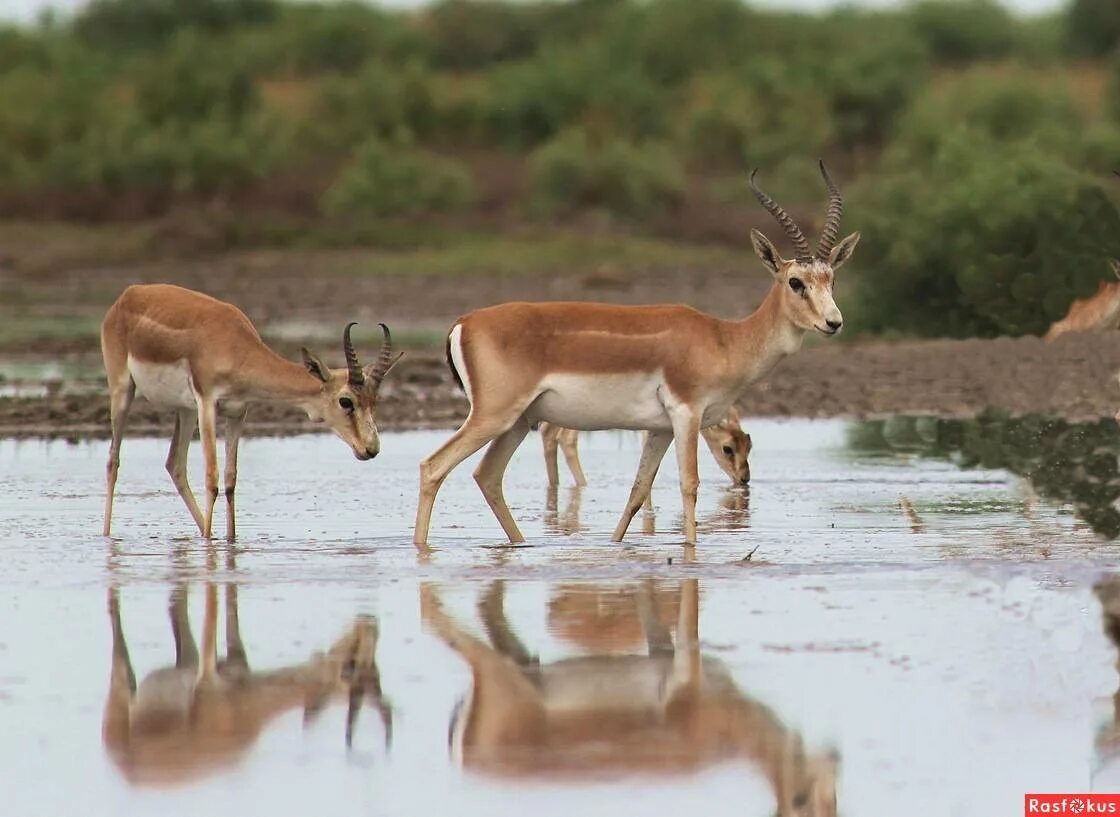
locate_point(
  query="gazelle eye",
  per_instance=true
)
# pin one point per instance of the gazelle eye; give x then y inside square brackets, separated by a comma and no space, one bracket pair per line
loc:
[346,403]
[728,451]
[797,285]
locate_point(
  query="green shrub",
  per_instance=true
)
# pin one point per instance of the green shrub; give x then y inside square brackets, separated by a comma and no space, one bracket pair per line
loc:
[307,39]
[979,239]
[393,179]
[628,178]
[1008,106]
[150,23]
[389,103]
[190,85]
[1093,27]
[728,119]
[964,30]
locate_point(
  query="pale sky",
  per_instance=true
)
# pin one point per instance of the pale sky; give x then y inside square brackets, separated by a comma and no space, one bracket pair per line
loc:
[25,10]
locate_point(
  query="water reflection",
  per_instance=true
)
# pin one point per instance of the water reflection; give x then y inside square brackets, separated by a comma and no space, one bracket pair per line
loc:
[1108,737]
[203,713]
[666,710]
[1075,463]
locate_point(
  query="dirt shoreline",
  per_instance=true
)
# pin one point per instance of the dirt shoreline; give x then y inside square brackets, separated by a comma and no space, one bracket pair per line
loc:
[1074,378]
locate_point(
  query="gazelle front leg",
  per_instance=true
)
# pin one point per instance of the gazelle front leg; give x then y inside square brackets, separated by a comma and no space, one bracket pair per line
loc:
[208,436]
[686,435]
[185,423]
[234,427]
[550,439]
[653,451]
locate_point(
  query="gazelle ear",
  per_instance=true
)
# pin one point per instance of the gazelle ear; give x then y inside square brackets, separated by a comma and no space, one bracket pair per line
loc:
[1112,262]
[766,251]
[842,251]
[314,365]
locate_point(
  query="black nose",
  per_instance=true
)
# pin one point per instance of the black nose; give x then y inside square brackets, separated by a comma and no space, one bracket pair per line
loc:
[834,325]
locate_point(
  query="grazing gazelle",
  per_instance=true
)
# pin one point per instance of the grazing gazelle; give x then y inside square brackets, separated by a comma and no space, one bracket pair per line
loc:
[188,720]
[669,370]
[666,710]
[184,350]
[729,444]
[1099,312]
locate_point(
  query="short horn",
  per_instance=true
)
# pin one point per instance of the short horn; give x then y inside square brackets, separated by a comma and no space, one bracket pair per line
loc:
[354,371]
[831,227]
[384,360]
[801,246]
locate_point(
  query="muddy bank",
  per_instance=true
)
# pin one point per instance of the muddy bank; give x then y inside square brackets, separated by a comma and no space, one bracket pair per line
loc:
[1074,378]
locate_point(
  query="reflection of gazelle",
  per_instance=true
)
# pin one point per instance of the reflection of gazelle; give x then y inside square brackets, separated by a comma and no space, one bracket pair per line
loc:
[1097,313]
[1108,592]
[184,350]
[671,710]
[190,719]
[729,444]
[669,370]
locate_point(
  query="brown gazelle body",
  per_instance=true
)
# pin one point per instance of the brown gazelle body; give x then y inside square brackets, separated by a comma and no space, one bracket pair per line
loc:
[187,351]
[668,370]
[191,719]
[729,444]
[1100,312]
[668,710]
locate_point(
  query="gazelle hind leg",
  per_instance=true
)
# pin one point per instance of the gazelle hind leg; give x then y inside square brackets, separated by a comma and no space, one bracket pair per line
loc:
[120,402]
[569,444]
[185,423]
[471,436]
[492,469]
[653,451]
[234,427]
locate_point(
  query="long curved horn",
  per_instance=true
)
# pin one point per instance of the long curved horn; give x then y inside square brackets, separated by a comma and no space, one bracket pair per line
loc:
[832,221]
[355,375]
[801,246]
[384,360]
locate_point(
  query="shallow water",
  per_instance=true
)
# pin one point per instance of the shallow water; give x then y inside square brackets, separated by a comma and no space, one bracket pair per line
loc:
[936,628]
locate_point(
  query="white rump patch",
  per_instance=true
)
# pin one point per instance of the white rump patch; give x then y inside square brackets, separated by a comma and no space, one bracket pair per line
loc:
[456,341]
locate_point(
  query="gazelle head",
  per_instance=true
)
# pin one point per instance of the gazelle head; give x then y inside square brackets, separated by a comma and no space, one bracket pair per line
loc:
[347,399]
[806,280]
[731,447]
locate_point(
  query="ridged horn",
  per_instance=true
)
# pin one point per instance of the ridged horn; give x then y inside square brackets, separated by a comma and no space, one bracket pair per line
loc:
[354,371]
[801,246]
[385,359]
[831,227]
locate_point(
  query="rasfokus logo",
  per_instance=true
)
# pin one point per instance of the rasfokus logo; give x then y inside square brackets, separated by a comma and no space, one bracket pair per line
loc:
[1078,804]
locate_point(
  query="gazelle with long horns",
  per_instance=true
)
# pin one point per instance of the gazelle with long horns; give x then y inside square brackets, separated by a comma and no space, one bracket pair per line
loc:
[669,370]
[187,351]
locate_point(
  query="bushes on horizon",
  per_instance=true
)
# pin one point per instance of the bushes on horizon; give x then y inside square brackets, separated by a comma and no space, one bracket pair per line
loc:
[959,31]
[394,179]
[148,24]
[1093,27]
[635,179]
[979,239]
[386,102]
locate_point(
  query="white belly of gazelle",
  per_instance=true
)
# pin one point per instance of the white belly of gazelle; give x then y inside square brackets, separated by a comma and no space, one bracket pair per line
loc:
[164,384]
[591,402]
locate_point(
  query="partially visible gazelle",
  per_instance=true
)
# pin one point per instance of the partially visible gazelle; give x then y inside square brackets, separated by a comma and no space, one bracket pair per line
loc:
[667,710]
[187,351]
[669,370]
[1100,312]
[188,720]
[729,444]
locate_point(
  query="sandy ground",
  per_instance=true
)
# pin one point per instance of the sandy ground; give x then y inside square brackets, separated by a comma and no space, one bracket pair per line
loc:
[304,296]
[1075,378]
